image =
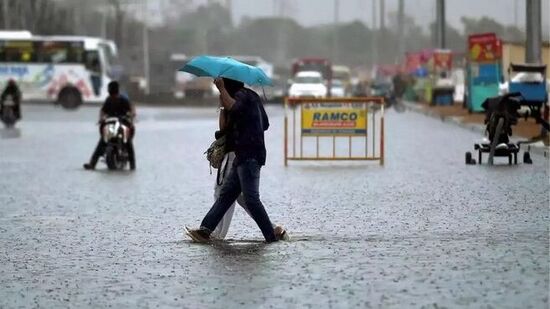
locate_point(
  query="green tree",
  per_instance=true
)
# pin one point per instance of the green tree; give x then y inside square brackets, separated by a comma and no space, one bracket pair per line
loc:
[486,24]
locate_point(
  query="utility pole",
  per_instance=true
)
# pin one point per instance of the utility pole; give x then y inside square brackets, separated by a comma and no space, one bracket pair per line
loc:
[533,43]
[77,18]
[282,41]
[145,36]
[104,22]
[229,7]
[335,31]
[103,26]
[374,39]
[5,13]
[401,27]
[440,24]
[516,13]
[382,15]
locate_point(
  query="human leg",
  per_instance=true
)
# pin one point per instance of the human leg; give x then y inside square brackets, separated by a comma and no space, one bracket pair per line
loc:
[249,177]
[222,228]
[99,150]
[229,192]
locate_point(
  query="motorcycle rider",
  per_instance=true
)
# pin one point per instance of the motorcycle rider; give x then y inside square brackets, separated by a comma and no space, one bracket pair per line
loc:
[12,90]
[116,105]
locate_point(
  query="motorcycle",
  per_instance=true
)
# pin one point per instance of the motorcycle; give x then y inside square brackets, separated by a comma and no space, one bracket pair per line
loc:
[115,134]
[8,112]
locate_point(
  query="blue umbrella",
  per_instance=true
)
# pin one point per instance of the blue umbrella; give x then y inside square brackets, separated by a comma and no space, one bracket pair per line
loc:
[226,67]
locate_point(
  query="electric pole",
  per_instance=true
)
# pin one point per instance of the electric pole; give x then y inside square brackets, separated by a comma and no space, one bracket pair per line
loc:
[374,39]
[382,15]
[440,24]
[533,43]
[5,13]
[401,28]
[145,37]
[335,32]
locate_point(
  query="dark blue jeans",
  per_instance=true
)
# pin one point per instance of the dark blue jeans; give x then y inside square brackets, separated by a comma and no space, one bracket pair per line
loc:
[244,178]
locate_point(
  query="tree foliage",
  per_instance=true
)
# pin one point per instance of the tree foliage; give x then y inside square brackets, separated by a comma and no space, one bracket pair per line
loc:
[209,29]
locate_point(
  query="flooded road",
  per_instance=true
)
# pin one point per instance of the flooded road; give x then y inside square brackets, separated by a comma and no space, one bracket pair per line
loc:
[424,231]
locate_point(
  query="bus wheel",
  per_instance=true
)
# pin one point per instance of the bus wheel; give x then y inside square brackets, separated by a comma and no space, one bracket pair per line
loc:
[69,98]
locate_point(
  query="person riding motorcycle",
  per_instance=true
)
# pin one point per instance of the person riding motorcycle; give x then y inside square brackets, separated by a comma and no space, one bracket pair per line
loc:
[12,90]
[116,105]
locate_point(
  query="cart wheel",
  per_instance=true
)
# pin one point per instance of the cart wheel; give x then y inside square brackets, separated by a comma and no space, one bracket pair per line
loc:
[468,157]
[527,158]
[479,156]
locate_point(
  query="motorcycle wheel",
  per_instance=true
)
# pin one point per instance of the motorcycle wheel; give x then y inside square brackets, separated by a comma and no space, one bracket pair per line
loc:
[8,118]
[121,161]
[111,158]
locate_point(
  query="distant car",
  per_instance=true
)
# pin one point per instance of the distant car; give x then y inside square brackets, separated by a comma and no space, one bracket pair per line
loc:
[278,90]
[337,88]
[380,88]
[308,84]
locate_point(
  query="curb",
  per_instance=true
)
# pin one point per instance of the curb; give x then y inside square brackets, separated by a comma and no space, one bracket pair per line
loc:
[543,151]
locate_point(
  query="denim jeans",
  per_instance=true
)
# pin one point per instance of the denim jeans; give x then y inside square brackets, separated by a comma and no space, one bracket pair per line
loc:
[244,178]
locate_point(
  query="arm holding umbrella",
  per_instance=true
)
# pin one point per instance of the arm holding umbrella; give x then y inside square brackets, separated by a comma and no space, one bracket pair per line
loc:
[226,100]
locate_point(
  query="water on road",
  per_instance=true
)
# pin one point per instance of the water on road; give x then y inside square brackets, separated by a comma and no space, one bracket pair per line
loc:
[423,231]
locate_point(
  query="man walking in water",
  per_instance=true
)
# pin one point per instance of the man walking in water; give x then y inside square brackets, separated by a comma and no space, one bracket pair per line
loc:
[245,136]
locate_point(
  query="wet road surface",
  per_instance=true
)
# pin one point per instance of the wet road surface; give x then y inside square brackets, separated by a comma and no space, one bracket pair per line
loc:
[424,231]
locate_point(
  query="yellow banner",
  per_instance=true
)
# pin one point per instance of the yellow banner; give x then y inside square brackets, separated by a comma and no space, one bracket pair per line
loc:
[327,119]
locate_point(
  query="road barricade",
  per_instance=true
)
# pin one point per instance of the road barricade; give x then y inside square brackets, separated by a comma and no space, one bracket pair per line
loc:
[334,129]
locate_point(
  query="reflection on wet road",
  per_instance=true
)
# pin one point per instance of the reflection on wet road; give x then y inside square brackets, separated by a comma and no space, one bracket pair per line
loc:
[425,230]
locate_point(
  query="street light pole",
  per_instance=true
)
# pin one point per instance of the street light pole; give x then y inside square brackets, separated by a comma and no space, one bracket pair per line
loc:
[516,13]
[400,27]
[533,44]
[374,39]
[103,29]
[440,23]
[335,31]
[382,15]
[5,13]
[145,36]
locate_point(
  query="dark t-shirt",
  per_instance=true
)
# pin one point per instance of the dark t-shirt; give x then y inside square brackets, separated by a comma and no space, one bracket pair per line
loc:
[11,91]
[117,106]
[247,124]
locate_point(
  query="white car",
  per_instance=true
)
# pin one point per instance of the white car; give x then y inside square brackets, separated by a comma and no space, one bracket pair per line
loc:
[308,84]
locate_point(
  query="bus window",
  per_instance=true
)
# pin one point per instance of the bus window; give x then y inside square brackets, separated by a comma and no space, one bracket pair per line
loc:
[76,52]
[17,51]
[61,52]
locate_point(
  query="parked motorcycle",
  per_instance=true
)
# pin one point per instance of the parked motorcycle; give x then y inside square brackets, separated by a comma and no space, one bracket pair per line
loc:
[8,112]
[116,136]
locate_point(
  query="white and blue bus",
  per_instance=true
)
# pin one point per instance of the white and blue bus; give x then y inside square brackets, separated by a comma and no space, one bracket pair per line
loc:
[69,70]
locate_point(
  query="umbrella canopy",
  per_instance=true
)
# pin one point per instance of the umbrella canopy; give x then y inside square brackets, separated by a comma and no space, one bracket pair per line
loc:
[226,67]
